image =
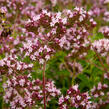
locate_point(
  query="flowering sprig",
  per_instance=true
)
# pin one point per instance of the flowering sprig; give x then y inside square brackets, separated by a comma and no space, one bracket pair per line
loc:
[60,30]
[75,98]
[10,65]
[22,8]
[37,50]
[99,95]
[105,31]
[101,46]
[22,92]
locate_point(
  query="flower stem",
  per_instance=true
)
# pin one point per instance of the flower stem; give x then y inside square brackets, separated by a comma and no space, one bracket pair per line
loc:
[44,93]
[105,69]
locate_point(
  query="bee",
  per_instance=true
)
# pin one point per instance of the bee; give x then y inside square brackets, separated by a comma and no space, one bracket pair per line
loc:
[5,32]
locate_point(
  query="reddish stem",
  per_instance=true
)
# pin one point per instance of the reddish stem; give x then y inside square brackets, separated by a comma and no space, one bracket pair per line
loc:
[44,93]
[105,69]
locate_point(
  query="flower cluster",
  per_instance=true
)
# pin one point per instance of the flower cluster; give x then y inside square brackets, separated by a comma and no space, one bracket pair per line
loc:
[98,9]
[106,75]
[100,95]
[106,16]
[22,92]
[60,30]
[75,98]
[77,67]
[101,46]
[106,1]
[105,31]
[22,8]
[36,50]
[10,65]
